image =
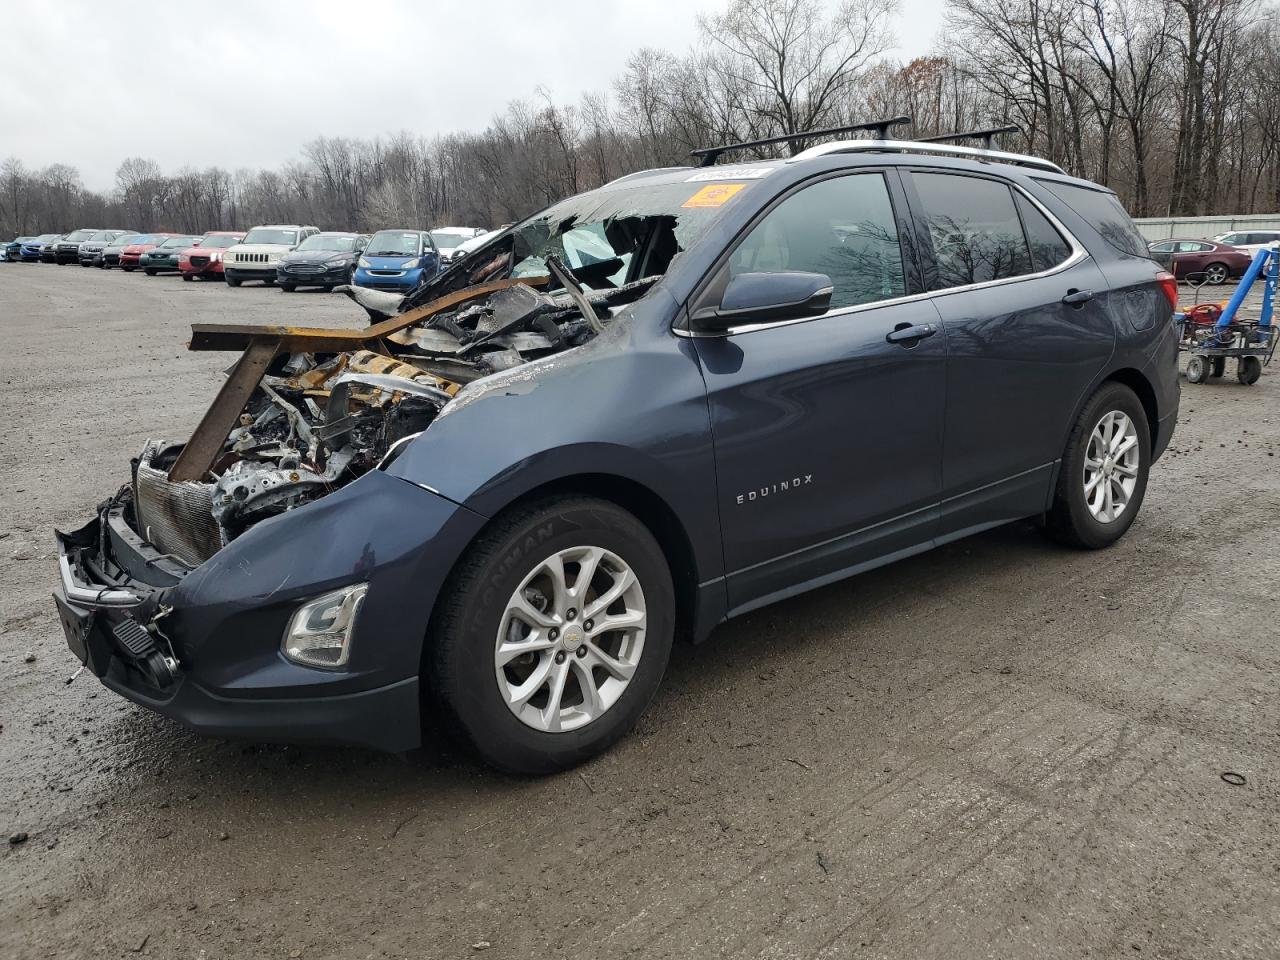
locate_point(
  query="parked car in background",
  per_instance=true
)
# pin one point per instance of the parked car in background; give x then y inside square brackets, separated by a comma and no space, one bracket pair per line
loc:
[449,239]
[475,243]
[1215,262]
[398,260]
[258,256]
[92,248]
[324,259]
[12,251]
[31,250]
[1251,241]
[110,255]
[67,250]
[131,255]
[49,249]
[205,259]
[163,258]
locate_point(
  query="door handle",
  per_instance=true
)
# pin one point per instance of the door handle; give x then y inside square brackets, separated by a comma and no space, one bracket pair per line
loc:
[1077,298]
[910,334]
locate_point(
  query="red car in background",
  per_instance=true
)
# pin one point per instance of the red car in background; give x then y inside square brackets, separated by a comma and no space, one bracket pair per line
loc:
[1213,262]
[131,254]
[205,261]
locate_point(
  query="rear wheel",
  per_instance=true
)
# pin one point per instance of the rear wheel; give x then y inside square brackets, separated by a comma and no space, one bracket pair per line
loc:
[1218,367]
[1216,273]
[1103,476]
[552,635]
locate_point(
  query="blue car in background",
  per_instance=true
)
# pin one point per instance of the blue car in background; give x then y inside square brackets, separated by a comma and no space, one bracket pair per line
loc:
[397,260]
[11,250]
[30,251]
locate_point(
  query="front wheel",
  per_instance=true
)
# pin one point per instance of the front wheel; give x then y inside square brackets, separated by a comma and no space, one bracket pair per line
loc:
[187,277]
[287,288]
[269,282]
[551,636]
[233,281]
[1103,476]
[149,273]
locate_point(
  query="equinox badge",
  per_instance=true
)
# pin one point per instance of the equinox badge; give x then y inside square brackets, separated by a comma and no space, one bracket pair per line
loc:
[783,486]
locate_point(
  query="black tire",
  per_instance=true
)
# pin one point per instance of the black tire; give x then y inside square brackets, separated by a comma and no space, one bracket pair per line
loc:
[128,269]
[233,281]
[187,277]
[459,660]
[1069,520]
[287,288]
[269,282]
[149,273]
[1217,274]
[1197,369]
[1248,370]
[1218,366]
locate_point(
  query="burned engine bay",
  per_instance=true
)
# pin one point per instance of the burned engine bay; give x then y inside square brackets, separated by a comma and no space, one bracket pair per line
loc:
[316,421]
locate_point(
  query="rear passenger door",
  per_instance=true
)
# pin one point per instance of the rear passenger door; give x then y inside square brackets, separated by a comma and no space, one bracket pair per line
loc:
[1021,303]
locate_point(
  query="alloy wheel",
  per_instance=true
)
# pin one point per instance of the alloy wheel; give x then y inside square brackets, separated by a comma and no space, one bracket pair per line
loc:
[1111,466]
[1216,273]
[570,639]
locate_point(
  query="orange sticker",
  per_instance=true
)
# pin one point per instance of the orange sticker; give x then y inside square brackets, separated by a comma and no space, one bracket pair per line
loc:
[713,195]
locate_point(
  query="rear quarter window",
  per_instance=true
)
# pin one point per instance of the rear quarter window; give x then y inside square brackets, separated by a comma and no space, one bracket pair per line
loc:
[1104,213]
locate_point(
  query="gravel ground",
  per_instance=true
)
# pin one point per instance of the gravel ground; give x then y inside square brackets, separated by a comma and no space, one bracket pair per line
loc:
[999,749]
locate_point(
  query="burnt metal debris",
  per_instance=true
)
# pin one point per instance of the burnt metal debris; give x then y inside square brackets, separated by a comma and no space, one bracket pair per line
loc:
[305,410]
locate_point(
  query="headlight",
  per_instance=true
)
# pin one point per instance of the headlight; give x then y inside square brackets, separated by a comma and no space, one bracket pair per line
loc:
[364,263]
[412,264]
[319,633]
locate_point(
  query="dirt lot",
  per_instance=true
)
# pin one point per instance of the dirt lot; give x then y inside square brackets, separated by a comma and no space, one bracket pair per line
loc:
[1001,749]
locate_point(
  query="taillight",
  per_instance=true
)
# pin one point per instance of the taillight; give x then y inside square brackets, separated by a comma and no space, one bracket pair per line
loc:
[1169,284]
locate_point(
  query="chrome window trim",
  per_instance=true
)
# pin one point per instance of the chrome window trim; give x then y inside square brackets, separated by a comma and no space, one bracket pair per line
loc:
[1077,255]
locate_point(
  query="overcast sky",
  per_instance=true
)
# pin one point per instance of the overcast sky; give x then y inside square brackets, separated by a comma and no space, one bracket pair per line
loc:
[235,83]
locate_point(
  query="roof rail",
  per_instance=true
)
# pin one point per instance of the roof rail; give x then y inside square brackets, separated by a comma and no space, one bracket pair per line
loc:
[919,146]
[880,128]
[987,135]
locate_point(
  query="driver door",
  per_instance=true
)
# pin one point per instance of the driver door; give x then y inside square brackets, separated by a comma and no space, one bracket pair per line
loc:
[827,430]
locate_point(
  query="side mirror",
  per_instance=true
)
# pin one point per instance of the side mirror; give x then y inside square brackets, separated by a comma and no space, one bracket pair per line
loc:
[767,298]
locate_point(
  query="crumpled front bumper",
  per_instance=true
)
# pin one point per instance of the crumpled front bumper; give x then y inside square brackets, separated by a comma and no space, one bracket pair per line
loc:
[217,627]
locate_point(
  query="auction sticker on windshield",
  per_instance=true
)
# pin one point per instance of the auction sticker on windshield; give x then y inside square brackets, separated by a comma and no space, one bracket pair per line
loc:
[731,173]
[713,195]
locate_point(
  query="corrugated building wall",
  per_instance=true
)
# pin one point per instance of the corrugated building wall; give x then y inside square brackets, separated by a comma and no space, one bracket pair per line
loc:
[1196,228]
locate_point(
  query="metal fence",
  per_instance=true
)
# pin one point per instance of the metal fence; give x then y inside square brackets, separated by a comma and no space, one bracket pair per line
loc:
[1195,228]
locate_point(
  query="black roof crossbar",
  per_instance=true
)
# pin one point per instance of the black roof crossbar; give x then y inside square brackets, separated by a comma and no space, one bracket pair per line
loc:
[880,128]
[987,136]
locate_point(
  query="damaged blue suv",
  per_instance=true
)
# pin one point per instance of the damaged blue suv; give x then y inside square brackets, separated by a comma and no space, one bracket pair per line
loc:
[636,414]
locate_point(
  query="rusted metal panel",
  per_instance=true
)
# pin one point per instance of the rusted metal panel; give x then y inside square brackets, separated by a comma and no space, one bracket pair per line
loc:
[206,442]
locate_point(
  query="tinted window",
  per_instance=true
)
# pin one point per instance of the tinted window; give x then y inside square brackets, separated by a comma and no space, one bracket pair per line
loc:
[1048,247]
[1263,238]
[976,232]
[1103,212]
[842,227]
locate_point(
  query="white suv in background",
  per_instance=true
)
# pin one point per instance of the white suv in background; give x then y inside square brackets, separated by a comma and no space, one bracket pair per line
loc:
[258,254]
[1250,241]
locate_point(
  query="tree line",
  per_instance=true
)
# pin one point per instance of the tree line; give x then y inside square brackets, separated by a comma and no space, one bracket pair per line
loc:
[1160,100]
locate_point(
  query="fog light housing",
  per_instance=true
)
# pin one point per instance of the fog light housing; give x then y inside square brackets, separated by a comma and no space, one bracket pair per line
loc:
[320,631]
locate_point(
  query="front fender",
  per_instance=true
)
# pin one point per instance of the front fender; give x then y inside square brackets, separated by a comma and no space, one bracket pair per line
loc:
[630,404]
